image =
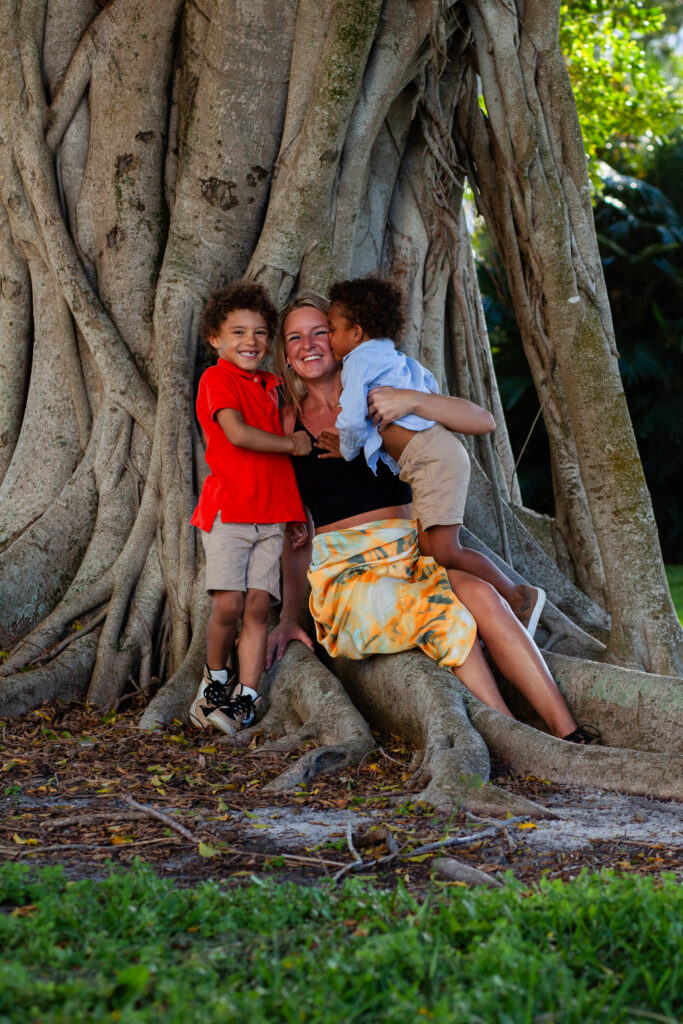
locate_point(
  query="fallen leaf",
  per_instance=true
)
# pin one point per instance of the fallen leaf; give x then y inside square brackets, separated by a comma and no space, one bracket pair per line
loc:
[205,850]
[24,911]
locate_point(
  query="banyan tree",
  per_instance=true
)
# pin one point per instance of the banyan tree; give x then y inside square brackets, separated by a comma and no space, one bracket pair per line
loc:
[150,152]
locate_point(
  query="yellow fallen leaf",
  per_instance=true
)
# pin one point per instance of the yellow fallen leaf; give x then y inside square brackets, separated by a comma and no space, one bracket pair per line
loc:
[25,911]
[24,842]
[527,824]
[207,851]
[120,840]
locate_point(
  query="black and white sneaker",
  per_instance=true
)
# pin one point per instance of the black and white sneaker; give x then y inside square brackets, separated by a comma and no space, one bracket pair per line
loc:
[226,706]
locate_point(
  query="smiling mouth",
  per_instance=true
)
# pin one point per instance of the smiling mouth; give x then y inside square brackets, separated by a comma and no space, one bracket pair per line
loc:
[247,355]
[309,359]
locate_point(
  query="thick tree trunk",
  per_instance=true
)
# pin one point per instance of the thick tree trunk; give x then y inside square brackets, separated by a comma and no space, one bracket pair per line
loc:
[152,151]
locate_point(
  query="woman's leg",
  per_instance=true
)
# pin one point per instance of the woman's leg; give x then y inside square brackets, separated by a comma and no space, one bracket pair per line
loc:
[513,651]
[476,675]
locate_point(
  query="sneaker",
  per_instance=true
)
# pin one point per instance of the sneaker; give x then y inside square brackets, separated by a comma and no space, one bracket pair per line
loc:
[209,706]
[244,702]
[227,706]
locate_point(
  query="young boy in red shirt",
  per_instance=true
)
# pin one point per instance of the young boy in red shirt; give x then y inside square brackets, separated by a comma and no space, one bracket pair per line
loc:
[248,497]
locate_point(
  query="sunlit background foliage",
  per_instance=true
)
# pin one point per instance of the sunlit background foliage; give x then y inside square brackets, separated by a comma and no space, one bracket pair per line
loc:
[627,74]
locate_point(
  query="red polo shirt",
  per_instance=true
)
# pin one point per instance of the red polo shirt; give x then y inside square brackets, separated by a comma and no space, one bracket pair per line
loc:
[244,486]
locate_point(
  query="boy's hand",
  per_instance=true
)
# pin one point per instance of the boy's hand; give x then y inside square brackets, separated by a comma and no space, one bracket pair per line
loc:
[328,440]
[296,534]
[301,442]
[386,405]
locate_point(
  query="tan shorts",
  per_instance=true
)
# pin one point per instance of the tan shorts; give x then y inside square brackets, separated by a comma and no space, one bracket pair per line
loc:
[437,467]
[243,556]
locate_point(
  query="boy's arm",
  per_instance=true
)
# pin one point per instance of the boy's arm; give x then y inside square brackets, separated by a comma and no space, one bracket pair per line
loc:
[244,436]
[386,405]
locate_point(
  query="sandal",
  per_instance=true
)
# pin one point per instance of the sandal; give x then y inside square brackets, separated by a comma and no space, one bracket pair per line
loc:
[536,606]
[586,735]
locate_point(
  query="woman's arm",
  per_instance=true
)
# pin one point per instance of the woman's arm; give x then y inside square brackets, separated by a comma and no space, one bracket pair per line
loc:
[295,563]
[386,405]
[245,436]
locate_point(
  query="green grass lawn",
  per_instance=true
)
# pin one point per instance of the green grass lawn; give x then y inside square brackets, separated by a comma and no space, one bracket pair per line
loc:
[674,574]
[134,948]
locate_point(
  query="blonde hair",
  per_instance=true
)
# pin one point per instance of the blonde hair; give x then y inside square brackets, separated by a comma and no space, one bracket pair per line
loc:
[293,386]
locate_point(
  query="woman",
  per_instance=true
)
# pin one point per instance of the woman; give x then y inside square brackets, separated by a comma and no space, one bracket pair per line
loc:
[372,592]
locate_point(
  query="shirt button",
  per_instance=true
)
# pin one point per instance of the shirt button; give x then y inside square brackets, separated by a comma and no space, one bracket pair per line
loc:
[256,380]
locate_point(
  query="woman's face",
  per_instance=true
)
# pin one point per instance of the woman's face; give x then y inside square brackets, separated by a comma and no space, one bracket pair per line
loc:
[307,344]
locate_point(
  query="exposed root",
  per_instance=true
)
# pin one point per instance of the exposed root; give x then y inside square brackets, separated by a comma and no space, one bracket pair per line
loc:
[412,695]
[65,678]
[173,700]
[302,688]
[634,709]
[527,750]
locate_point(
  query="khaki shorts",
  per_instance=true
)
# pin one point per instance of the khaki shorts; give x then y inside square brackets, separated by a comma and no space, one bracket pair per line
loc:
[437,467]
[243,556]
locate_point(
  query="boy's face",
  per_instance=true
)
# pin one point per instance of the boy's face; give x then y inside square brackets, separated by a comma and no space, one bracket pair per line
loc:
[344,337]
[242,339]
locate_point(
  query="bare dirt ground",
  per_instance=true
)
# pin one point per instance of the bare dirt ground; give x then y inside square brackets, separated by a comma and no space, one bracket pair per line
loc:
[86,793]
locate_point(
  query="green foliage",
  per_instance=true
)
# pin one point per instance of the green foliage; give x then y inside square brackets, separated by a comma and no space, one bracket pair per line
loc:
[674,574]
[620,88]
[641,243]
[640,235]
[133,948]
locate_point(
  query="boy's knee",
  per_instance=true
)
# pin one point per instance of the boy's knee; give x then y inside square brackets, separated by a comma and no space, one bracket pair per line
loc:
[447,553]
[257,606]
[227,605]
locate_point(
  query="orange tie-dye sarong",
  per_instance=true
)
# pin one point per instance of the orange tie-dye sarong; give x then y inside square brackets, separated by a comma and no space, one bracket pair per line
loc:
[373,593]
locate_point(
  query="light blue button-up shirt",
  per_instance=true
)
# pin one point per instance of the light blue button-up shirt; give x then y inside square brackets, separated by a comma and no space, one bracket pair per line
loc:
[374,364]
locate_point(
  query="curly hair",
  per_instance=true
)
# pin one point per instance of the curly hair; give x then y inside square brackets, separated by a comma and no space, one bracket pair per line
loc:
[373,303]
[237,295]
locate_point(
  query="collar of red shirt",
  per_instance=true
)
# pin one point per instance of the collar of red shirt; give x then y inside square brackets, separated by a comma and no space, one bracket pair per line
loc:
[271,380]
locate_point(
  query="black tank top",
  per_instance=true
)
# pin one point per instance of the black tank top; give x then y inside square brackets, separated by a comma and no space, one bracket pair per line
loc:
[335,489]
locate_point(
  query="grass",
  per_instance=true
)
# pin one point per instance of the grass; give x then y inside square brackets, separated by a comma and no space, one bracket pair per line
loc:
[134,948]
[674,574]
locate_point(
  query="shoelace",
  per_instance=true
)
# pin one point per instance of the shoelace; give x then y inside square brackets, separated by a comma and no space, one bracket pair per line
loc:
[241,705]
[216,694]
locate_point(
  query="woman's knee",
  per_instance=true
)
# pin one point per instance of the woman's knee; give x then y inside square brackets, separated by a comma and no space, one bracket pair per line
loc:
[480,597]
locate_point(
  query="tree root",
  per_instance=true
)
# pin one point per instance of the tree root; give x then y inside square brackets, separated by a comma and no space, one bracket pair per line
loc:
[633,709]
[173,700]
[527,750]
[413,696]
[306,702]
[65,678]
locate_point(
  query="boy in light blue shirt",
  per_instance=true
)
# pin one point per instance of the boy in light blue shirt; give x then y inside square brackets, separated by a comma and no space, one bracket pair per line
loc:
[364,315]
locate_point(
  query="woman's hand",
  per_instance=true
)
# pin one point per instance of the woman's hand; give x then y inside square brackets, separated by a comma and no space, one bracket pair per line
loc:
[296,534]
[385,405]
[288,629]
[328,440]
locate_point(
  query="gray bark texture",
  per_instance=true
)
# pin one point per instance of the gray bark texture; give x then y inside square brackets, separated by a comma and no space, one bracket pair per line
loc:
[151,152]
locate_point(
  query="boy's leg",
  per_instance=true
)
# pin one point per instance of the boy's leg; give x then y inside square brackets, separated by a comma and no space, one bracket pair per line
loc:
[263,587]
[444,541]
[226,610]
[252,648]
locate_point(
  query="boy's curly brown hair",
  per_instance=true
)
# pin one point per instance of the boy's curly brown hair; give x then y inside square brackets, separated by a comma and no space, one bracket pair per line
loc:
[238,295]
[373,303]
